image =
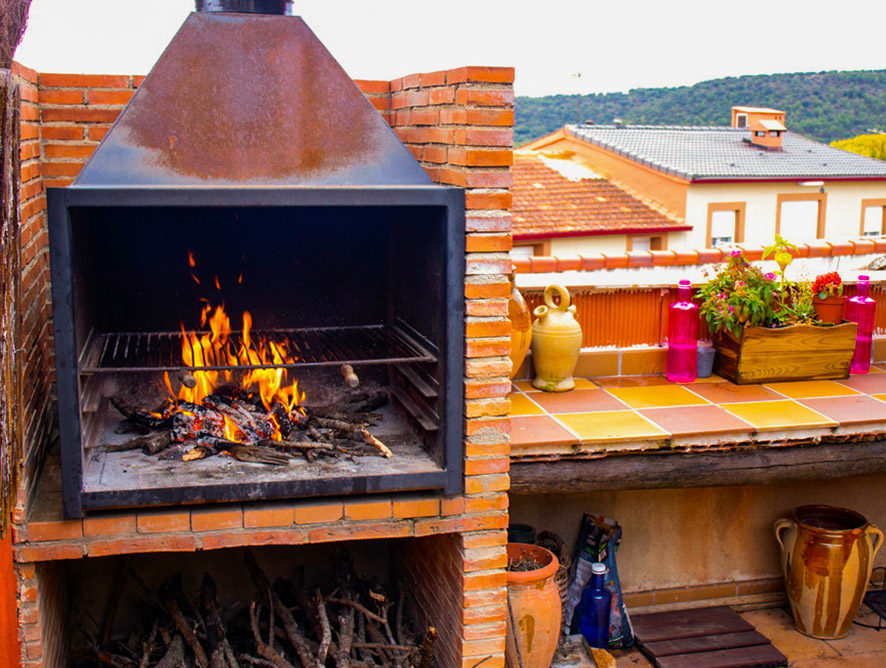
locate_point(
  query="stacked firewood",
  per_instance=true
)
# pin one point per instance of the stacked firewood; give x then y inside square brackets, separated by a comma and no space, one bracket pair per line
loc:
[354,625]
[187,431]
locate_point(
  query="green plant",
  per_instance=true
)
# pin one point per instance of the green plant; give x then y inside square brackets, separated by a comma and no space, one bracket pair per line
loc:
[796,304]
[781,253]
[740,295]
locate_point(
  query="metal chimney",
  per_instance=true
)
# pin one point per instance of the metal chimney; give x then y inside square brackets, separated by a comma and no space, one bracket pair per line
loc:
[244,6]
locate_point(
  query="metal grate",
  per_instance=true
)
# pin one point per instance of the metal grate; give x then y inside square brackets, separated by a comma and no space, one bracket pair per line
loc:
[325,346]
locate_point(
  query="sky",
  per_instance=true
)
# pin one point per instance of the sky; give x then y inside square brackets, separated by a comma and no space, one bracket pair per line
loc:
[556,46]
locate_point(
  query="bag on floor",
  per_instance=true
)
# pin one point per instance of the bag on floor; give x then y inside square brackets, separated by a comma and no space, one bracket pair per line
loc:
[598,541]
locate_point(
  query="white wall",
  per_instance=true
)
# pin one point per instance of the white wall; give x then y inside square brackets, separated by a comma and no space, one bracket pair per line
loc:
[843,207]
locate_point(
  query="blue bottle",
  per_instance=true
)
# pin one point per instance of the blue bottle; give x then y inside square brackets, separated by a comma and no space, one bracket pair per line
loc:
[594,608]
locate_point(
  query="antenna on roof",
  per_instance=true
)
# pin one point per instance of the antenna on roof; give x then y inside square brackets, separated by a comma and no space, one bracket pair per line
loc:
[577,77]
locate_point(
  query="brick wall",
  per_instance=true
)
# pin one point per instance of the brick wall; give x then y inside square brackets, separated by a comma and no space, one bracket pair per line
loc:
[458,124]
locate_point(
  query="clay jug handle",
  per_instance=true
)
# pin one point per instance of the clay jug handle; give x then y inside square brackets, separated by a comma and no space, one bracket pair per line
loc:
[780,526]
[875,533]
[562,292]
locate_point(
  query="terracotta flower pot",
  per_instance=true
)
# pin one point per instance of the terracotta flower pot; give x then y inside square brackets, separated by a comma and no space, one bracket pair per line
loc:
[827,554]
[534,611]
[829,310]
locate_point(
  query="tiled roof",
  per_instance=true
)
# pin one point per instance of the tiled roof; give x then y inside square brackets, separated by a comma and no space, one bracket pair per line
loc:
[699,153]
[552,196]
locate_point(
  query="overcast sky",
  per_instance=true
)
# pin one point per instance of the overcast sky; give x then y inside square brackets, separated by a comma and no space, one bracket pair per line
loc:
[615,45]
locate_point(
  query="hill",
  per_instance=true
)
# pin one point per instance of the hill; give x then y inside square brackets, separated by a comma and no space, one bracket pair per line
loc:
[825,105]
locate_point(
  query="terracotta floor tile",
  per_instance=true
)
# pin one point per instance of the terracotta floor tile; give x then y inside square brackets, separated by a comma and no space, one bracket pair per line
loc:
[768,415]
[727,393]
[698,420]
[578,401]
[856,409]
[523,405]
[861,639]
[713,378]
[524,385]
[806,389]
[611,426]
[866,382]
[877,369]
[656,395]
[539,429]
[630,381]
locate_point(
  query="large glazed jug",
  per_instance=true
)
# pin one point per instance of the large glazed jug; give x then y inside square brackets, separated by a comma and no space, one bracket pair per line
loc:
[521,327]
[827,555]
[556,342]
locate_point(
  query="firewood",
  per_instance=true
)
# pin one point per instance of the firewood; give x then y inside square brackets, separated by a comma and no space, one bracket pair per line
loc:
[357,606]
[151,444]
[148,646]
[373,441]
[295,445]
[217,642]
[175,654]
[325,631]
[265,651]
[138,415]
[128,427]
[427,648]
[351,379]
[168,596]
[257,454]
[345,638]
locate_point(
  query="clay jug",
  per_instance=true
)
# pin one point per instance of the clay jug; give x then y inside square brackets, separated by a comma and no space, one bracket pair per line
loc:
[556,342]
[521,327]
[827,555]
[534,612]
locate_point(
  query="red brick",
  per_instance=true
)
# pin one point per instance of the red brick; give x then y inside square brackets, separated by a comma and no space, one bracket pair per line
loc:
[484,484]
[434,526]
[83,80]
[61,97]
[113,525]
[486,407]
[500,117]
[478,264]
[483,630]
[483,466]
[360,532]
[423,117]
[416,508]
[488,425]
[412,81]
[485,613]
[137,80]
[476,581]
[97,132]
[481,157]
[484,137]
[486,504]
[317,513]
[453,116]
[370,86]
[486,97]
[433,78]
[78,151]
[102,548]
[368,510]
[64,132]
[215,519]
[78,115]
[49,552]
[487,347]
[452,506]
[480,389]
[443,95]
[476,200]
[268,515]
[495,223]
[487,290]
[441,135]
[434,154]
[488,243]
[226,539]
[163,521]
[486,308]
[488,178]
[55,530]
[487,328]
[118,97]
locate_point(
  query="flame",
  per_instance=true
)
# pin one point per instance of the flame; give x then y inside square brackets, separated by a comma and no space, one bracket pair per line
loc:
[216,348]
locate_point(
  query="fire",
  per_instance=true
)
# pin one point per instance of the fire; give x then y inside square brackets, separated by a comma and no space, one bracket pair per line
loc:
[217,348]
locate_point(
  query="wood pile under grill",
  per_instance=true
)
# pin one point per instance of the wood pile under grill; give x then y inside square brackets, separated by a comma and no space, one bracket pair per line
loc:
[352,623]
[187,431]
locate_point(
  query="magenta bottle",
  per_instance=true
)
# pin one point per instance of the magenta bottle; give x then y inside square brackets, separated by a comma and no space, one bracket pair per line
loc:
[682,336]
[860,309]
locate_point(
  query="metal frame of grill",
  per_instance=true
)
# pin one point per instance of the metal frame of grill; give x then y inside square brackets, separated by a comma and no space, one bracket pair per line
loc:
[393,344]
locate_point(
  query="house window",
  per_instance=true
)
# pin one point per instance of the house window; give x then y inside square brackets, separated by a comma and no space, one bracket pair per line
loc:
[873,217]
[638,243]
[725,224]
[741,120]
[800,217]
[530,249]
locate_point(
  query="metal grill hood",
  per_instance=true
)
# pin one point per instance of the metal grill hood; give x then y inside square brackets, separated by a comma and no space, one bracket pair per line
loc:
[249,100]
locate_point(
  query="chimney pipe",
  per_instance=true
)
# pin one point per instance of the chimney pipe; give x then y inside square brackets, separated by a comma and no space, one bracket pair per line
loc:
[244,6]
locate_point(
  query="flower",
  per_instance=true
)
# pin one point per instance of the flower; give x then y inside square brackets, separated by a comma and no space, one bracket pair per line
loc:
[827,285]
[736,253]
[769,276]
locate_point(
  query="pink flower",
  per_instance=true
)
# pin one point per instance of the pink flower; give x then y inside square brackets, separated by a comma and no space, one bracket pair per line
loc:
[769,277]
[732,309]
[735,253]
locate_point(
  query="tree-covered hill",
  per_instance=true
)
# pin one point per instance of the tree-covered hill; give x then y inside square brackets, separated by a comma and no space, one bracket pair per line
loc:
[824,105]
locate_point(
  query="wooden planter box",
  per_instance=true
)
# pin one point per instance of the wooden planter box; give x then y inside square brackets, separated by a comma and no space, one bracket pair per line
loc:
[798,352]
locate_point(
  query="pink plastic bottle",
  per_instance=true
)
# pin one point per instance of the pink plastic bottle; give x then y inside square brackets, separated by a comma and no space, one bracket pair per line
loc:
[860,309]
[682,336]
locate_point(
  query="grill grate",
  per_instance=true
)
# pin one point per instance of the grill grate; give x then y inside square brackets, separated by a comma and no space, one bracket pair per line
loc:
[326,346]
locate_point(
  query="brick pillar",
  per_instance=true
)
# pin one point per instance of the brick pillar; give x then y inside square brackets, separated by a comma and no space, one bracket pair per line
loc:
[459,125]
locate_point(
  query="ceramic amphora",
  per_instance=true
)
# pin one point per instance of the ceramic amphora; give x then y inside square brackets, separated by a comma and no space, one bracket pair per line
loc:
[827,555]
[534,609]
[556,342]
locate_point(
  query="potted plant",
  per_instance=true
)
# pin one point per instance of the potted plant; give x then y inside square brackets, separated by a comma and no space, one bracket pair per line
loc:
[828,300]
[764,326]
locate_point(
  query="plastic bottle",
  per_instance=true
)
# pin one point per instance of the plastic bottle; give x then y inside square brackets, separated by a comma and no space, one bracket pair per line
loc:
[595,607]
[860,309]
[682,336]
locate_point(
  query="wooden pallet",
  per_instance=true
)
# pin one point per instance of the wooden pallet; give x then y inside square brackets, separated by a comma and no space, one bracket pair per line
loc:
[704,638]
